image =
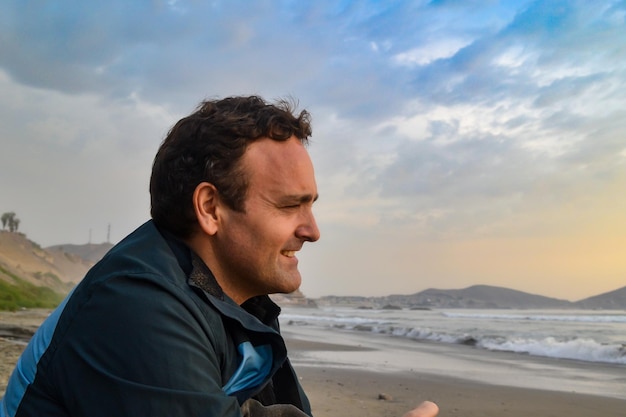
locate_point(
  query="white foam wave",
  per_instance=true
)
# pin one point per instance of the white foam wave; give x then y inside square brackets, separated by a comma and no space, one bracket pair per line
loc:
[314,319]
[581,349]
[542,339]
[590,318]
[587,350]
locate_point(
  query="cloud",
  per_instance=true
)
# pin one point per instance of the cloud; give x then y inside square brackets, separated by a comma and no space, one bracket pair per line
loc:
[500,118]
[71,162]
[433,121]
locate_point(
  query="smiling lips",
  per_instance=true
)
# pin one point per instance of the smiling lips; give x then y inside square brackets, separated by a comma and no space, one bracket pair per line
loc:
[288,253]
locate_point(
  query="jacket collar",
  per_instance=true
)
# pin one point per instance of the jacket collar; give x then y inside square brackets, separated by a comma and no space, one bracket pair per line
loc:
[199,275]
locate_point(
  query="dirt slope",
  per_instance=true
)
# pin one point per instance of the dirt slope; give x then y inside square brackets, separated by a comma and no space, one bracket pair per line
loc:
[25,259]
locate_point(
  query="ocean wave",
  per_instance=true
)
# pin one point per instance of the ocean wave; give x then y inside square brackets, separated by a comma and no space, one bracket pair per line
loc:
[580,349]
[587,350]
[591,318]
[590,336]
[583,349]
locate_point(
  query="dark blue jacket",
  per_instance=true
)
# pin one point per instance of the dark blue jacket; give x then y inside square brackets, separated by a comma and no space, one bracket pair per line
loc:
[148,332]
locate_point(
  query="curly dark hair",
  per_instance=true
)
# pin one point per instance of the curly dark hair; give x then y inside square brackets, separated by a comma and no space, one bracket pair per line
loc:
[207,146]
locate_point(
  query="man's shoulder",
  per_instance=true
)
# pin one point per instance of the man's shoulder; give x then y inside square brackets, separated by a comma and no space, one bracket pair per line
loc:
[143,252]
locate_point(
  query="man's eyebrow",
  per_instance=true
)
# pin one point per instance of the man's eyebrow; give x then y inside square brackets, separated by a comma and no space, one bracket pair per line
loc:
[299,198]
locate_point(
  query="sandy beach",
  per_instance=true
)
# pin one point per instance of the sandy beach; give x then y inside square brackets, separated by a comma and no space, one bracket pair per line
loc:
[348,392]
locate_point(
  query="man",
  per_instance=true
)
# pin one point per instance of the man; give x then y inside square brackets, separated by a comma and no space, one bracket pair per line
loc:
[176,320]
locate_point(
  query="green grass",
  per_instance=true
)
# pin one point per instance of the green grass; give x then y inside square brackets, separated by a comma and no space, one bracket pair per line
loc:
[23,294]
[48,275]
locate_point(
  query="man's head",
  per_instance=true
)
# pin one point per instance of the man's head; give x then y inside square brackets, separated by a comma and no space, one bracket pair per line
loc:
[235,182]
[207,146]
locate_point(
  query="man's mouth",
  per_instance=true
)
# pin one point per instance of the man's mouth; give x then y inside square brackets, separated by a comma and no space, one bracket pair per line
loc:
[288,253]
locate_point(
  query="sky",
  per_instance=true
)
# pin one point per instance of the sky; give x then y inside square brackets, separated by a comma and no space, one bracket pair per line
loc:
[456,142]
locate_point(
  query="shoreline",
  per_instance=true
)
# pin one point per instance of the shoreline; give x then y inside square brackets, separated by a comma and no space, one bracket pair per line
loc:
[384,354]
[350,391]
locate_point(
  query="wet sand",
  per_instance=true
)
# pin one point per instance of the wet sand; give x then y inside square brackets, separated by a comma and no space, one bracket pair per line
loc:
[348,392]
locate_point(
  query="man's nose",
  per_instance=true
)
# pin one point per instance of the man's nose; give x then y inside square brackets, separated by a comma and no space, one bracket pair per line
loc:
[308,229]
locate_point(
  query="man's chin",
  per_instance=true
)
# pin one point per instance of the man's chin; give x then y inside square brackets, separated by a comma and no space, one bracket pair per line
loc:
[290,285]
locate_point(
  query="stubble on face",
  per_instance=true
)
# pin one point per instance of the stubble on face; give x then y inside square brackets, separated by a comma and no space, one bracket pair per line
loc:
[257,248]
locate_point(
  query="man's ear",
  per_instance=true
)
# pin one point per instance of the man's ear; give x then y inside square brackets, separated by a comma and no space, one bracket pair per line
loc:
[205,204]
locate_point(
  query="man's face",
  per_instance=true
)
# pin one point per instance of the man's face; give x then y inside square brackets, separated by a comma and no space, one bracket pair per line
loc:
[256,250]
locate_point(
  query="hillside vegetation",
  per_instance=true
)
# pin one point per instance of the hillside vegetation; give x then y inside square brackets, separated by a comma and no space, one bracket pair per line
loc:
[23,294]
[34,277]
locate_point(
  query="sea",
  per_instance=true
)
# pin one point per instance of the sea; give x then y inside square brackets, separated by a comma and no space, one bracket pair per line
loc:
[580,351]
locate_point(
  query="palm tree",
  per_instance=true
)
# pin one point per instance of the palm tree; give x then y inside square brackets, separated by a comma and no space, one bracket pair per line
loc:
[14,225]
[6,219]
[9,219]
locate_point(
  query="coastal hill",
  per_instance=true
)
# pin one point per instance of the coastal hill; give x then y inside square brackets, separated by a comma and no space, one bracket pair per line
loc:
[90,252]
[478,296]
[614,300]
[24,260]
[58,268]
[32,276]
